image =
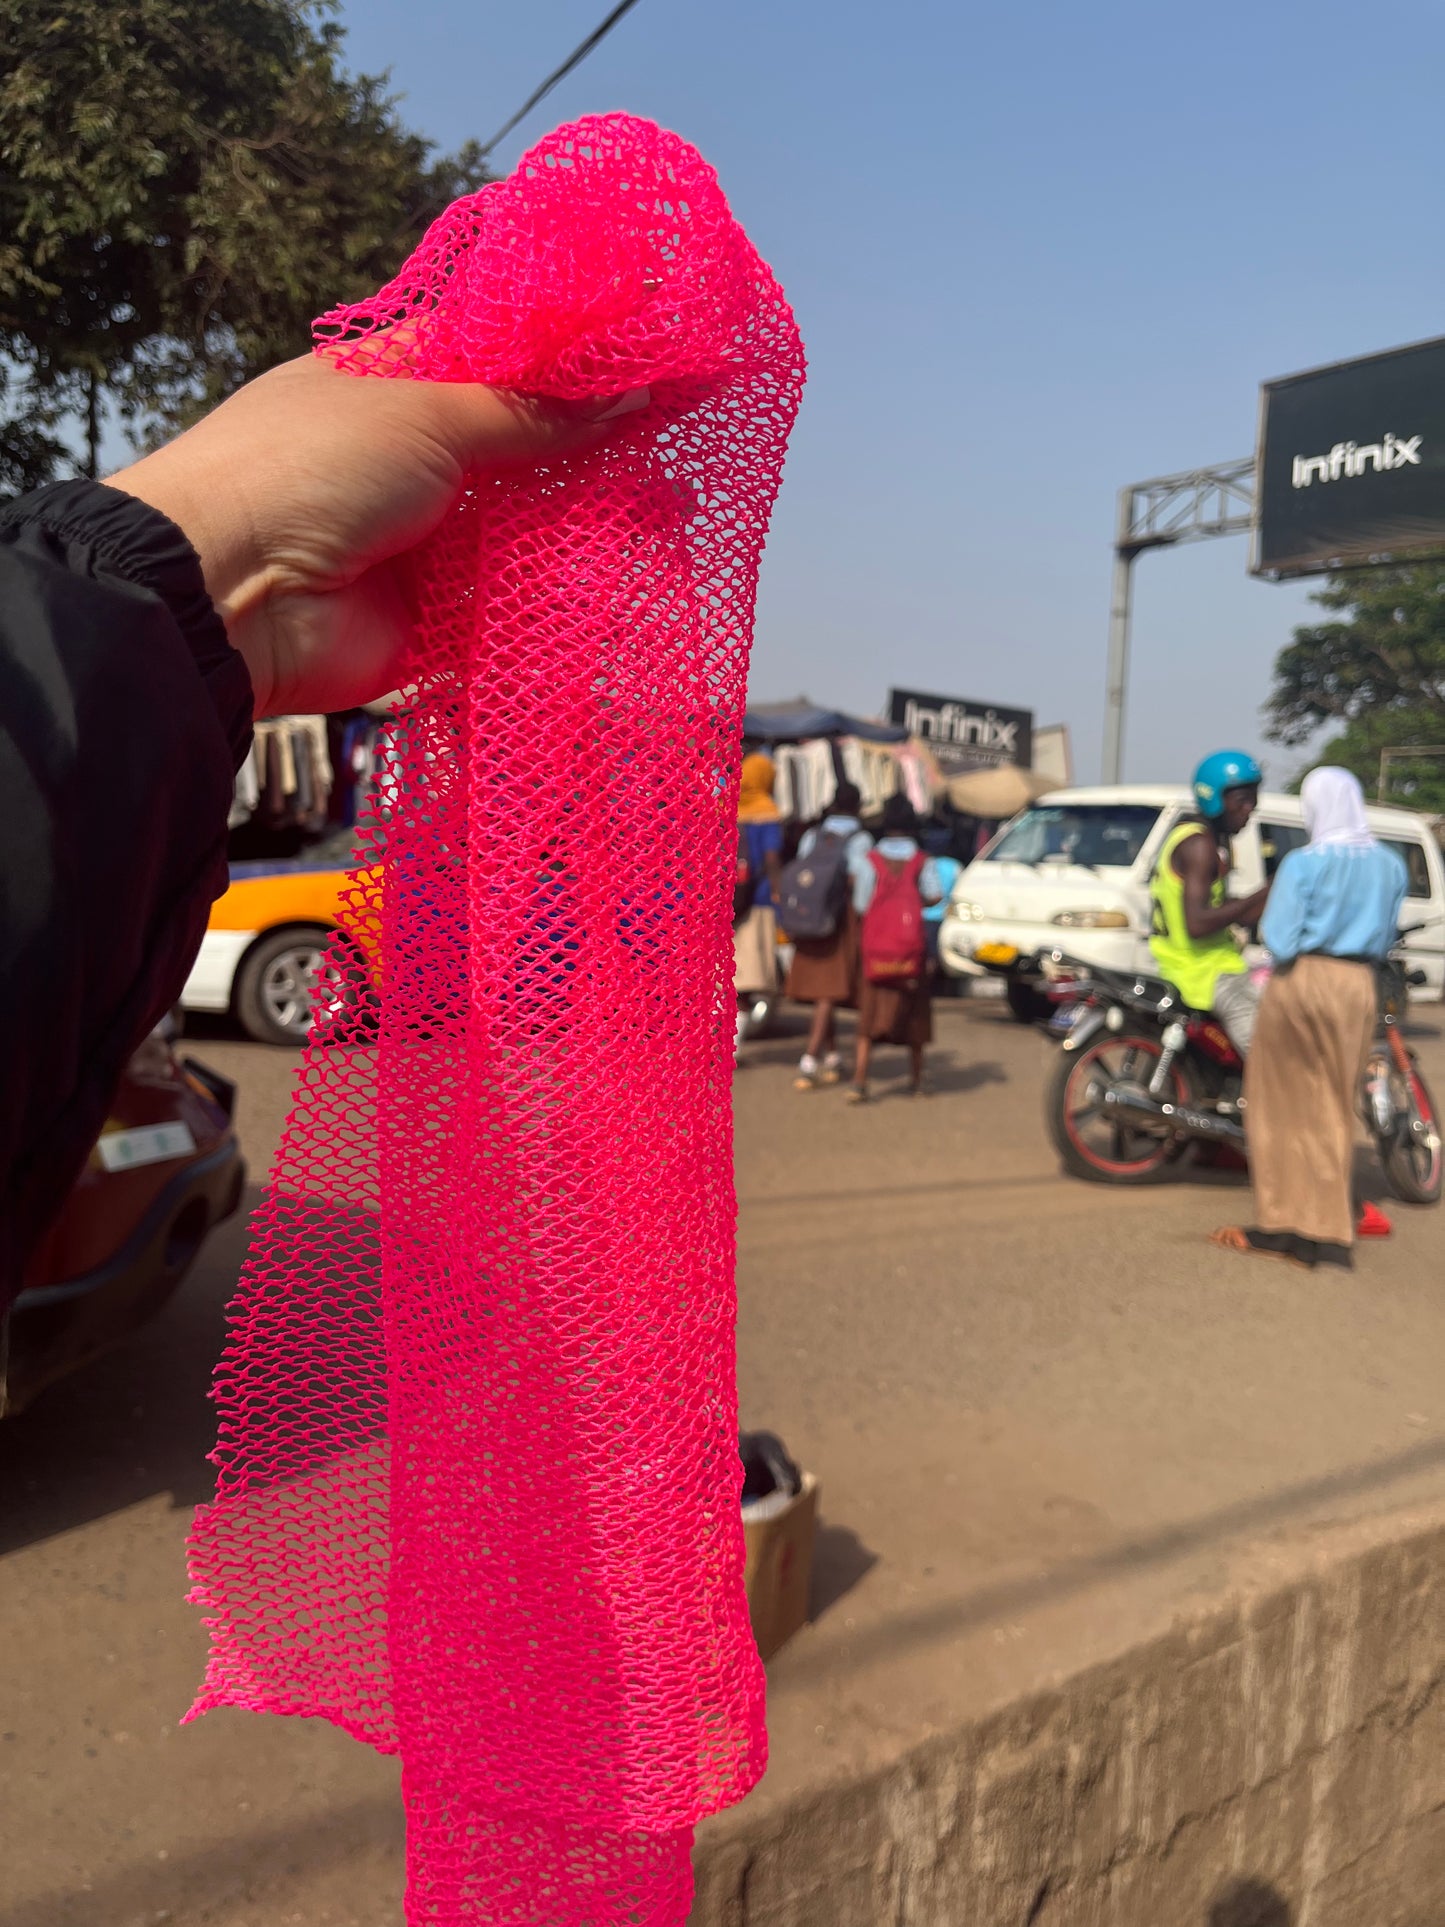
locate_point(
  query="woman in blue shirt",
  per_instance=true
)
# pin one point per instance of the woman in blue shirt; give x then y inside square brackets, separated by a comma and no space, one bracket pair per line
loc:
[1332,915]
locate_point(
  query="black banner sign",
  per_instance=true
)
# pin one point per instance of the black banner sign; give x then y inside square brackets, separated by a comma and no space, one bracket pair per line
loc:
[1352,464]
[962,734]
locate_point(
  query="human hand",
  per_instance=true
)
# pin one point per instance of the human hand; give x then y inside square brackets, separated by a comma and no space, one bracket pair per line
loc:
[305,491]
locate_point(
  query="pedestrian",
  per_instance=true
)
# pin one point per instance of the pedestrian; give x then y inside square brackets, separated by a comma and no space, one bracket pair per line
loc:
[891,890]
[938,844]
[1194,919]
[817,914]
[760,855]
[1332,916]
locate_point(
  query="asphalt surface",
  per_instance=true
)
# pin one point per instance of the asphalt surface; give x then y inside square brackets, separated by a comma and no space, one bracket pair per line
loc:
[1046,1417]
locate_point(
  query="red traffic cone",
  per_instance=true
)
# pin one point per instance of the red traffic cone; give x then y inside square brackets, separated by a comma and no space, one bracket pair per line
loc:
[1372,1223]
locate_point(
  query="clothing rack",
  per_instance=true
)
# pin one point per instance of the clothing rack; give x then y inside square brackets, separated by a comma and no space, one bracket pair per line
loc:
[303,777]
[808,775]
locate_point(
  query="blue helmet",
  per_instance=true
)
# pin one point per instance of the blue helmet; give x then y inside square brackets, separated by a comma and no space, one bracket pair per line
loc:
[1226,769]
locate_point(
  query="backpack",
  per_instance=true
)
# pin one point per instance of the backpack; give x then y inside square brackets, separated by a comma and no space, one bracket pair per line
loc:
[814,889]
[894,950]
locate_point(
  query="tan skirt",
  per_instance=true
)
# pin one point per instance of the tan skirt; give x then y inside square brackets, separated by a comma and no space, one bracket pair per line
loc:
[825,969]
[1301,1084]
[755,954]
[893,1014]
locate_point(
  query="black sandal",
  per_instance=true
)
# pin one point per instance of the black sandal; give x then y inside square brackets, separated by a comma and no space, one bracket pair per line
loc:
[1251,1243]
[1338,1257]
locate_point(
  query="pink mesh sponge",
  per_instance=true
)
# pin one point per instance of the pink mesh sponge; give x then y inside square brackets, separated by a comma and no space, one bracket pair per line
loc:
[478,1492]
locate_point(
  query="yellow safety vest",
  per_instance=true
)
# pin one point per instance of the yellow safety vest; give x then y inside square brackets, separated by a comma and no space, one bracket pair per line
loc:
[1192,964]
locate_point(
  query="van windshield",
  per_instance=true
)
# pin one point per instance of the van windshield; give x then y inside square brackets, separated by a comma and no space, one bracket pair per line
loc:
[1095,835]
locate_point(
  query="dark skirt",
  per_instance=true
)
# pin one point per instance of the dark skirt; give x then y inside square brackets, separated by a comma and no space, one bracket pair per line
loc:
[890,1014]
[825,970]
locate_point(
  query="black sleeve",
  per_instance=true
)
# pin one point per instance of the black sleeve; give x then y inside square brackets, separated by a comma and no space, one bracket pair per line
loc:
[124,715]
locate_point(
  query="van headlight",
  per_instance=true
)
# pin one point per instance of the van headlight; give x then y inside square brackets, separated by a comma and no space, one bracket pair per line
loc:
[1091,920]
[965,912]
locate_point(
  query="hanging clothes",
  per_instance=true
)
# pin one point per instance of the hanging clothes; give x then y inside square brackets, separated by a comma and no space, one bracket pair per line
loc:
[785,791]
[875,769]
[848,766]
[247,793]
[272,809]
[361,757]
[288,782]
[311,732]
[816,760]
[915,785]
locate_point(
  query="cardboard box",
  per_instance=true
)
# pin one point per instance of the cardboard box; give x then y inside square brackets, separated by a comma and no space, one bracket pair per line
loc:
[779,1569]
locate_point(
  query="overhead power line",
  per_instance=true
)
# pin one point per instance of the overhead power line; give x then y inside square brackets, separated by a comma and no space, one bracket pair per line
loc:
[574,59]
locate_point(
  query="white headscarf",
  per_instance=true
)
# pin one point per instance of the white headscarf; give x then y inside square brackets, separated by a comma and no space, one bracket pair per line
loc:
[1334,806]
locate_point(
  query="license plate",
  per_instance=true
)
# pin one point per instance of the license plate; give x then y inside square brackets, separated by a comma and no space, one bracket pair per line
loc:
[996,953]
[150,1144]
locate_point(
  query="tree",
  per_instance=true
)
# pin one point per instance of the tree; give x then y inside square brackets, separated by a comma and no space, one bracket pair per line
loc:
[31,452]
[184,185]
[1376,671]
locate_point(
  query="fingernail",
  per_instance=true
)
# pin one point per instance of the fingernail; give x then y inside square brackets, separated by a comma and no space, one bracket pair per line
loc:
[627,404]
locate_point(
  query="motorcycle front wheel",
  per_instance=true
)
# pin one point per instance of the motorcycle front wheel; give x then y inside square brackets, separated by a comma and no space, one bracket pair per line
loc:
[1412,1154]
[1093,1139]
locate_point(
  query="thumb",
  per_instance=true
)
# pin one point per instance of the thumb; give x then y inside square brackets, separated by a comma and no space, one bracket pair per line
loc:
[498,428]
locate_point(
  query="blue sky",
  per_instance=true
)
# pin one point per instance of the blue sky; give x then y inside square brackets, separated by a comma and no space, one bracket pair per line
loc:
[1037,251]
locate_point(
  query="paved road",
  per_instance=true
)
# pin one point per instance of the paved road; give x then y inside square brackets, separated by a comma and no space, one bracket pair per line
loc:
[1043,1415]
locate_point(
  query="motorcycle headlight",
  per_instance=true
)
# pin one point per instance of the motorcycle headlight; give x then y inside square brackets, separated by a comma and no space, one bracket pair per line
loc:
[1092,920]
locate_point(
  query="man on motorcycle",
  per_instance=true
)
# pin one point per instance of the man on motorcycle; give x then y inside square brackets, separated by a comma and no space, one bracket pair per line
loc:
[1192,935]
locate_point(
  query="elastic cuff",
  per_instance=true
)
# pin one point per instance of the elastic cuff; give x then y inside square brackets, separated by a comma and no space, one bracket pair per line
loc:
[136,542]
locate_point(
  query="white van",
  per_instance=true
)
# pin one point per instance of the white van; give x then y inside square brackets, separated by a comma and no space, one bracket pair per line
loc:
[1072,873]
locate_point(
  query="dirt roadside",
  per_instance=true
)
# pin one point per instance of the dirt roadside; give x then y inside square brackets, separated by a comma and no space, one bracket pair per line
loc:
[1045,1418]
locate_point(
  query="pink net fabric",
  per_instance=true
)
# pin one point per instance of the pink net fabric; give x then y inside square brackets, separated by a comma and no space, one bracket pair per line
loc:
[478,1492]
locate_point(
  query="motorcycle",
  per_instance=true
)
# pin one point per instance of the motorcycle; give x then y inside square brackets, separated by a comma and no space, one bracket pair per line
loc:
[1142,1080]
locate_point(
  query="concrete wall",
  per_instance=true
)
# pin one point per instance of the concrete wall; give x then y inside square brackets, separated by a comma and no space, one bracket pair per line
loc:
[1279,1764]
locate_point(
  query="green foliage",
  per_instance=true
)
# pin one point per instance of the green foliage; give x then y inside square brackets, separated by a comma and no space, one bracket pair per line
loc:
[1416,782]
[1376,672]
[184,185]
[31,452]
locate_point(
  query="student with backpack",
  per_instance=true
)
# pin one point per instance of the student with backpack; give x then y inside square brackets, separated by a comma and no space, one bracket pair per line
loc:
[815,910]
[890,892]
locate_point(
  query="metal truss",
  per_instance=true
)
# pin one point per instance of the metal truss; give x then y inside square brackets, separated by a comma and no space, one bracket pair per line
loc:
[1187,508]
[1192,507]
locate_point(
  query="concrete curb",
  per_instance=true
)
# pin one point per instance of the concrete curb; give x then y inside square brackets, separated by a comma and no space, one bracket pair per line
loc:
[1278,1762]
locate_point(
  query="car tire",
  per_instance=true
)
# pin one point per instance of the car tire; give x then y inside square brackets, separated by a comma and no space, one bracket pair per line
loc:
[271,1001]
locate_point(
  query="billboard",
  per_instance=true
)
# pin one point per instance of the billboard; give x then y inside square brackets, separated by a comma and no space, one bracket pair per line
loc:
[1351,464]
[963,734]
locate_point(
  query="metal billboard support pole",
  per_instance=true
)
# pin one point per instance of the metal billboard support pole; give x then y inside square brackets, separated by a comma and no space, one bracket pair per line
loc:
[1120,614]
[1156,515]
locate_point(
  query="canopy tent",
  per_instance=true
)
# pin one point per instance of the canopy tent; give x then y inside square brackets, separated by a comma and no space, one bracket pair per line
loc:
[804,722]
[997,793]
